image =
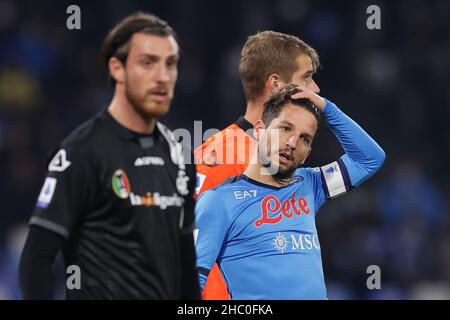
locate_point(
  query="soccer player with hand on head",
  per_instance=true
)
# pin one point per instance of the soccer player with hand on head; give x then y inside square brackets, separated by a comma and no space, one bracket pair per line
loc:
[268,61]
[260,226]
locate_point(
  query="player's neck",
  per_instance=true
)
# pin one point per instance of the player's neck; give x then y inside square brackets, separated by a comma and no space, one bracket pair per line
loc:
[261,174]
[124,113]
[254,110]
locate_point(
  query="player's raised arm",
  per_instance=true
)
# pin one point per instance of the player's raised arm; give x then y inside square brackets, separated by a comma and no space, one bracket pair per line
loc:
[212,222]
[363,156]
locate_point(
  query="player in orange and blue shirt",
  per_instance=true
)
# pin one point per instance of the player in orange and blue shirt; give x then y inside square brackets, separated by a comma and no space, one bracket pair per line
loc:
[260,227]
[268,60]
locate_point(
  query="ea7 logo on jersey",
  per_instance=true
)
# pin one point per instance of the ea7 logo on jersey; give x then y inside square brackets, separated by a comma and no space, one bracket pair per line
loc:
[59,162]
[239,195]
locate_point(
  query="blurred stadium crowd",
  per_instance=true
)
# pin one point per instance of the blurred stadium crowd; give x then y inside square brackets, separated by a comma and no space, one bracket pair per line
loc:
[395,82]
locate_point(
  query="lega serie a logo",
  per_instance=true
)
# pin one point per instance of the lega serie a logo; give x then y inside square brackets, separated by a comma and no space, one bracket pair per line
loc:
[121,184]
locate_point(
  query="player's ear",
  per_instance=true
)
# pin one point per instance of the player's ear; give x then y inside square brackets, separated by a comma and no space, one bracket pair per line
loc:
[274,82]
[116,69]
[259,125]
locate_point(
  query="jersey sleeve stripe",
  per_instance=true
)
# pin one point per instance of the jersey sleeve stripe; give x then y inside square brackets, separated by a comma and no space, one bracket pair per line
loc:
[345,175]
[49,225]
[203,271]
[324,184]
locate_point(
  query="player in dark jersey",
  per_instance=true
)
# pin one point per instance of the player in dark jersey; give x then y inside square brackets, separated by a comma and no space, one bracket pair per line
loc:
[118,197]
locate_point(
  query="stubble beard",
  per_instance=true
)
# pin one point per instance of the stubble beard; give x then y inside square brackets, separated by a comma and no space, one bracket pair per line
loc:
[138,105]
[266,162]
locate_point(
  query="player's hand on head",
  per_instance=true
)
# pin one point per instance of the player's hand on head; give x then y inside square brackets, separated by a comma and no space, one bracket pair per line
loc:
[306,93]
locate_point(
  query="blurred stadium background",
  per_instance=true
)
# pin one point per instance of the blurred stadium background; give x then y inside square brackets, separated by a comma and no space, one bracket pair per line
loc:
[395,82]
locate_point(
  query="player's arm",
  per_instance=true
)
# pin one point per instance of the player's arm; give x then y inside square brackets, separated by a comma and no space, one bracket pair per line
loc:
[68,190]
[39,253]
[190,288]
[363,156]
[213,223]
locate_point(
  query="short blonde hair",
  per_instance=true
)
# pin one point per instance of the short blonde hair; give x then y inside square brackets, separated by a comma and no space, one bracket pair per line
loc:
[271,52]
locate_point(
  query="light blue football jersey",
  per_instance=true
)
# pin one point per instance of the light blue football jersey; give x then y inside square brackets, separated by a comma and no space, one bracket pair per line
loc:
[264,238]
